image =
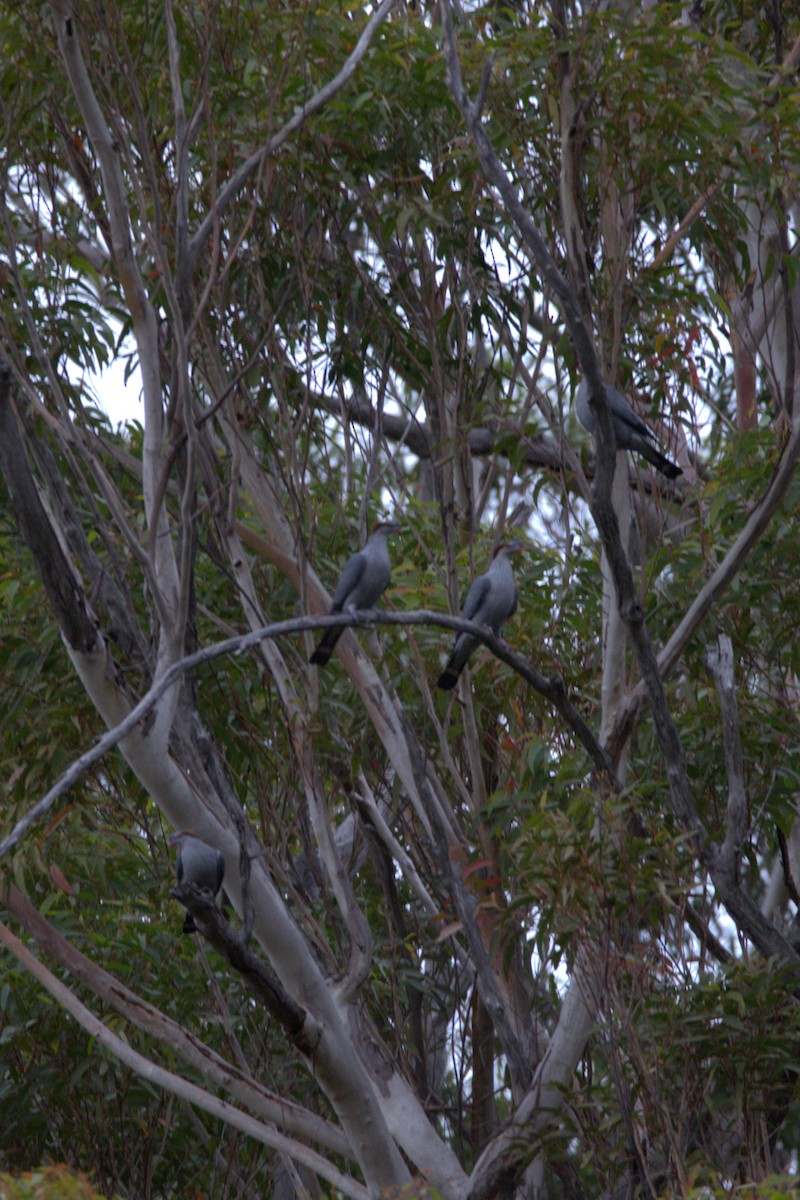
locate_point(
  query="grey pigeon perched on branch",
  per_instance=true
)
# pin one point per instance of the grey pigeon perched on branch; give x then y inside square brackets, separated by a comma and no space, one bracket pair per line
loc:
[490,601]
[630,430]
[199,864]
[364,578]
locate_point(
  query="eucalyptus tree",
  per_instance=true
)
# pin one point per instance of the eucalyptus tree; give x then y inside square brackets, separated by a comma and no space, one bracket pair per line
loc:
[533,936]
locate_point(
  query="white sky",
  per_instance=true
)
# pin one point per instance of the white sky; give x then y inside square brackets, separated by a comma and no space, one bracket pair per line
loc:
[121,401]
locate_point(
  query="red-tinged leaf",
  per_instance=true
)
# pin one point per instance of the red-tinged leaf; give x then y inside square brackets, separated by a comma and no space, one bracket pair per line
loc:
[448,931]
[60,880]
[478,865]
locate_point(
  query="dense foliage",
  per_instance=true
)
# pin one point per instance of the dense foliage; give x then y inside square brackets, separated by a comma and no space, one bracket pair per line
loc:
[516,972]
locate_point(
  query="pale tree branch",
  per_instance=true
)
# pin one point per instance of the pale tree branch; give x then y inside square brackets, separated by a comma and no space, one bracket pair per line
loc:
[551,688]
[571,163]
[182,268]
[750,326]
[724,860]
[372,812]
[335,1066]
[145,329]
[160,1077]
[107,152]
[297,719]
[719,659]
[200,1057]
[506,1156]
[341,1074]
[765,315]
[786,867]
[339,1071]
[405,1117]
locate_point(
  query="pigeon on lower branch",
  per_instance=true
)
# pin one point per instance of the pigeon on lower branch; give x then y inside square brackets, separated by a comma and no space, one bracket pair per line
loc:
[199,864]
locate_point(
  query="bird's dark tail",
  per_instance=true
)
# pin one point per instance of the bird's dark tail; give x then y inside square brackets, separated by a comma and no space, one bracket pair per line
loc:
[326,646]
[188,923]
[448,678]
[663,464]
[456,662]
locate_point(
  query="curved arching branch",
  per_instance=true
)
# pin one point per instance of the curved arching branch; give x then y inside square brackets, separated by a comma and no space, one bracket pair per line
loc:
[248,168]
[186,1045]
[170,1082]
[552,689]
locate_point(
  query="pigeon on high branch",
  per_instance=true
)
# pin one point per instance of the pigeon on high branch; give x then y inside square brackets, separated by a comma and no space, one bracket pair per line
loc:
[364,578]
[630,431]
[199,864]
[491,600]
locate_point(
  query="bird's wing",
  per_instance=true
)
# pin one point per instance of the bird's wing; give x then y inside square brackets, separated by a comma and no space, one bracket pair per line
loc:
[179,867]
[475,597]
[352,571]
[514,603]
[623,412]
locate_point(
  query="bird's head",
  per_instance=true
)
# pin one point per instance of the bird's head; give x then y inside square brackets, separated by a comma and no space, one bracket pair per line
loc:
[386,528]
[508,548]
[178,838]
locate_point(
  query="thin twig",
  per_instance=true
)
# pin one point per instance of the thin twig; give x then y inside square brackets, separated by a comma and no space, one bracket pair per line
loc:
[687,221]
[254,162]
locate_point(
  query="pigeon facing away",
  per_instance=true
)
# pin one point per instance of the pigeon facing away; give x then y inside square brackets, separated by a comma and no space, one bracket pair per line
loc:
[630,430]
[364,578]
[199,864]
[491,600]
